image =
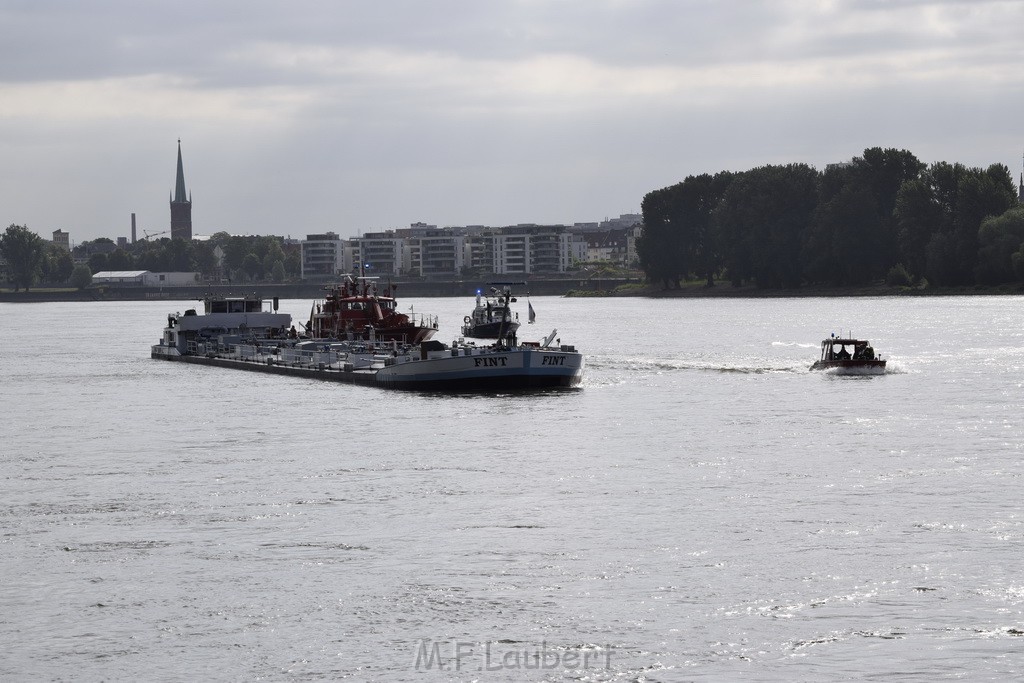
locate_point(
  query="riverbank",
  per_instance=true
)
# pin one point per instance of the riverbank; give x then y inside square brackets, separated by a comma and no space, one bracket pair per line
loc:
[608,287]
[305,290]
[726,291]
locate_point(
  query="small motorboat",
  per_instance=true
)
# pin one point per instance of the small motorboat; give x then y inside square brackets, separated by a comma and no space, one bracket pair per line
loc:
[848,356]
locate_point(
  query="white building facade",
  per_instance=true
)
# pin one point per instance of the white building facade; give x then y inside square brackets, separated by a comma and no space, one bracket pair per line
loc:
[426,251]
[145,278]
[323,256]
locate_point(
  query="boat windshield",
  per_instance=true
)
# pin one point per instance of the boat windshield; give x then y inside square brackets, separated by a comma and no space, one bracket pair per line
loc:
[846,349]
[234,306]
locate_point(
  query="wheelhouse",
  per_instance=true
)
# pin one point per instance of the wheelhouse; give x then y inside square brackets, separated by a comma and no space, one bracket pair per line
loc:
[836,348]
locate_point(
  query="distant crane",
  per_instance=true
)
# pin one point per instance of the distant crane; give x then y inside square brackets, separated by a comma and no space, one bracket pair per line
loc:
[147,235]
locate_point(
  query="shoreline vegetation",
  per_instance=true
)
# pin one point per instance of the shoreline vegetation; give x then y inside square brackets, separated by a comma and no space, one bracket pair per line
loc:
[571,289]
[881,217]
[769,232]
[698,290]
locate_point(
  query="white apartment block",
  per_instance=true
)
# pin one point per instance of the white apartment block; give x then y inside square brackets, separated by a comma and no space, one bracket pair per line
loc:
[380,254]
[436,254]
[428,251]
[322,256]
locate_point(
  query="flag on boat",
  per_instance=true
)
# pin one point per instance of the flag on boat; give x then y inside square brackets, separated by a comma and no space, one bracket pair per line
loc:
[533,316]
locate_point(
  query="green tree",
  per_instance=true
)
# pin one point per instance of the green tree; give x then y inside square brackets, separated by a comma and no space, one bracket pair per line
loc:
[918,216]
[999,239]
[268,265]
[101,244]
[56,265]
[81,277]
[852,239]
[154,256]
[119,259]
[981,194]
[98,262]
[660,248]
[235,251]
[277,272]
[679,236]
[884,171]
[898,277]
[939,218]
[942,259]
[844,237]
[763,220]
[203,258]
[293,264]
[179,255]
[268,245]
[219,239]
[273,253]
[24,251]
[253,267]
[63,265]
[821,262]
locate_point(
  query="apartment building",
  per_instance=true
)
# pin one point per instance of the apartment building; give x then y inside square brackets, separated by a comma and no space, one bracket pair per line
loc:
[438,253]
[322,256]
[379,254]
[427,251]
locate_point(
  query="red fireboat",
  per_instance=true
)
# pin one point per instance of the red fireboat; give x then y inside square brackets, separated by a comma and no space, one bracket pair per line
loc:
[354,310]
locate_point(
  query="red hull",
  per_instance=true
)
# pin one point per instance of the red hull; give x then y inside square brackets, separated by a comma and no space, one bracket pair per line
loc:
[356,311]
[852,367]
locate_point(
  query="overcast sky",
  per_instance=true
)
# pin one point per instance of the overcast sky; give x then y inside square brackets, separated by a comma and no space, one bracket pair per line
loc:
[313,115]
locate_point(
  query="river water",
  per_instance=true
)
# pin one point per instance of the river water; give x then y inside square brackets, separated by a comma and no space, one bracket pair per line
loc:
[704,508]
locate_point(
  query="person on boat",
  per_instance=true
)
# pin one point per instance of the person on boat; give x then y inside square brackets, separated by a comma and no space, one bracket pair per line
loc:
[843,354]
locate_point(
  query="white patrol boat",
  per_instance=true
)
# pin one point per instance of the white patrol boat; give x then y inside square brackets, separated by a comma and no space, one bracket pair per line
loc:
[491,318]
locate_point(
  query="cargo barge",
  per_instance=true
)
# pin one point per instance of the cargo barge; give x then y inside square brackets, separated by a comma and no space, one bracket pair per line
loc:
[237,333]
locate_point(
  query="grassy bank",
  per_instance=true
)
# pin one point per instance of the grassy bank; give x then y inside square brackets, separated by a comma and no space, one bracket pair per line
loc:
[697,289]
[578,288]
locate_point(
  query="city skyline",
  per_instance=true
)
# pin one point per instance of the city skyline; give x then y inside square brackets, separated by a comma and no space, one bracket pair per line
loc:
[316,117]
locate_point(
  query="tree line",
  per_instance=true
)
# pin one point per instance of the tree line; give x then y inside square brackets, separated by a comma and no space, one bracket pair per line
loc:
[882,216]
[32,260]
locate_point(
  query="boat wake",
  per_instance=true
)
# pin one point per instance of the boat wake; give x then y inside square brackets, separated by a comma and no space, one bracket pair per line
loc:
[649,365]
[896,368]
[795,345]
[890,369]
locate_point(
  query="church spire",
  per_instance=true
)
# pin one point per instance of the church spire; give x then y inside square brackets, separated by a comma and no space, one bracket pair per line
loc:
[181,205]
[179,183]
[1020,188]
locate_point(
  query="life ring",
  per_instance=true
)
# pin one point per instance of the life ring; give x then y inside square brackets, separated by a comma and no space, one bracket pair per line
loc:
[467,320]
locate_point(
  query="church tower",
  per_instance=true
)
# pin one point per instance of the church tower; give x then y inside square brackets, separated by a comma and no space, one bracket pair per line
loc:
[181,208]
[1020,188]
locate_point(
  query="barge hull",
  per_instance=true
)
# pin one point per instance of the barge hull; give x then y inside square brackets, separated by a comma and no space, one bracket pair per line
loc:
[479,384]
[369,378]
[362,377]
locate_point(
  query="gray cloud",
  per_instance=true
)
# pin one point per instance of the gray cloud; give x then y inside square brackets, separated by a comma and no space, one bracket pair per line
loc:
[318,115]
